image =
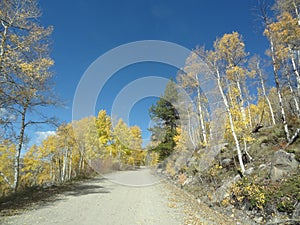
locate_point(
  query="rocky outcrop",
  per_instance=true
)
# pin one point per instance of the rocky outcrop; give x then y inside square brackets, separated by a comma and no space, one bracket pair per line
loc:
[208,155]
[223,191]
[282,164]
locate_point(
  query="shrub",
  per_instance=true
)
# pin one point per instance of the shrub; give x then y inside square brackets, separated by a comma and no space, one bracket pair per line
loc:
[246,190]
[286,205]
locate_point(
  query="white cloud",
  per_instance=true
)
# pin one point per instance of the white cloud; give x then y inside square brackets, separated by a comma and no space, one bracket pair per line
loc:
[6,115]
[42,135]
[3,111]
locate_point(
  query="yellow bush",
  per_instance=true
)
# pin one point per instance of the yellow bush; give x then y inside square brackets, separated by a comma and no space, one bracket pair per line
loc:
[246,190]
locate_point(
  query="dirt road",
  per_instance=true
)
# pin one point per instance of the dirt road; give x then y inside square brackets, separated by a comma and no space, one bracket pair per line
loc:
[103,202]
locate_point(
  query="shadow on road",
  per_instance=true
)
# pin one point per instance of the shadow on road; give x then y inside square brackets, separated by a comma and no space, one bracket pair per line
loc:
[37,196]
[86,189]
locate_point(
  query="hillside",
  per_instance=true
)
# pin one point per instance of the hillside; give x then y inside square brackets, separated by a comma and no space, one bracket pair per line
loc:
[269,191]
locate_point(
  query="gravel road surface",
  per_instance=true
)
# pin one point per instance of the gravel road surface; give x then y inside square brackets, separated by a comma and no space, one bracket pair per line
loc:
[121,198]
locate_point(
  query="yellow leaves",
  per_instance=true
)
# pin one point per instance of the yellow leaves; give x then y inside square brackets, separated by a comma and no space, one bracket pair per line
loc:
[177,137]
[104,126]
[231,48]
[154,158]
[34,170]
[284,34]
[131,160]
[170,169]
[61,156]
[26,67]
[181,140]
[193,66]
[213,171]
[241,123]
[136,138]
[225,202]
[128,143]
[7,153]
[35,73]
[254,193]
[235,73]
[49,145]
[43,64]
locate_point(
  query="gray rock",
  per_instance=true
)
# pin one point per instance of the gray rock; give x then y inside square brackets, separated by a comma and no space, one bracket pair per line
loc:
[208,156]
[264,145]
[283,163]
[270,209]
[262,166]
[296,214]
[159,171]
[180,162]
[192,162]
[259,219]
[223,191]
[249,171]
[226,162]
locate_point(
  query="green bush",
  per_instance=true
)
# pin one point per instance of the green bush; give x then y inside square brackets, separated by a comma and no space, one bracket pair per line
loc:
[286,205]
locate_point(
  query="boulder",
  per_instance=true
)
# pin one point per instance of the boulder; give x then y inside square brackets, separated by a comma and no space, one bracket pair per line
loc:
[208,155]
[259,219]
[262,166]
[249,171]
[223,191]
[192,161]
[296,214]
[282,163]
[226,162]
[264,145]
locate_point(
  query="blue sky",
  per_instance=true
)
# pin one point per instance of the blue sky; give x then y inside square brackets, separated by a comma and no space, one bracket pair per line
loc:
[86,29]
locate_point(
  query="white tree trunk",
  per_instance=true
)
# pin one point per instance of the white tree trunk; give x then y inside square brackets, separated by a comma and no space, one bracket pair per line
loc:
[237,144]
[249,114]
[293,95]
[65,165]
[51,169]
[241,103]
[5,178]
[81,159]
[265,93]
[190,132]
[202,124]
[19,148]
[296,72]
[276,78]
[3,40]
[296,11]
[246,150]
[70,166]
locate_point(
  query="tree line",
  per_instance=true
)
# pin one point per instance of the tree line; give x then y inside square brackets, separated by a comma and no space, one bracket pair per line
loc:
[26,90]
[79,148]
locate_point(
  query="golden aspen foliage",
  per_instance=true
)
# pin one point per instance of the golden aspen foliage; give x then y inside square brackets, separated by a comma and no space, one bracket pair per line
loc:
[7,153]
